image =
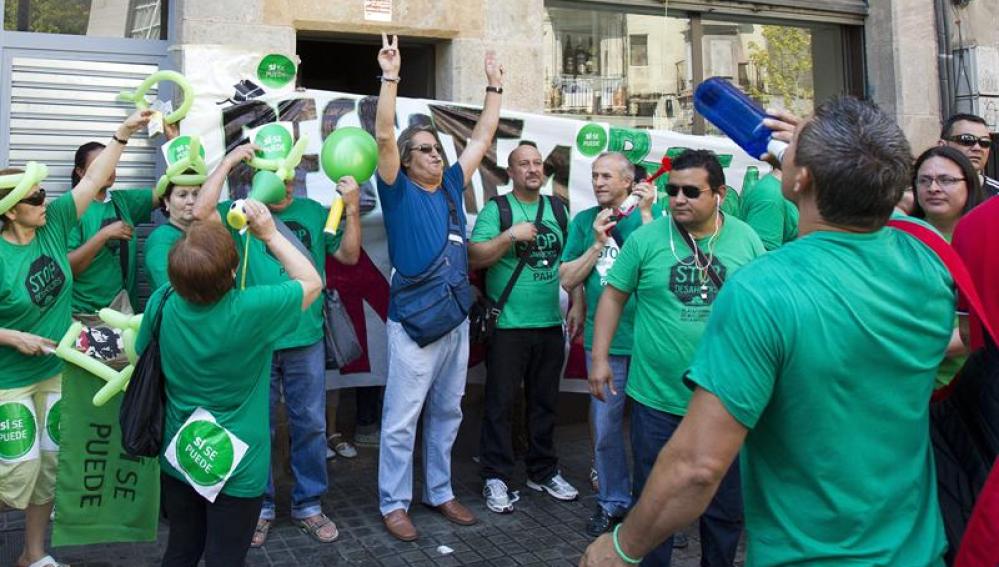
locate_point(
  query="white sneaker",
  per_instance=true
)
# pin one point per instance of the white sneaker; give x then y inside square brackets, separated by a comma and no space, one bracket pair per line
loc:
[330,453]
[497,497]
[556,487]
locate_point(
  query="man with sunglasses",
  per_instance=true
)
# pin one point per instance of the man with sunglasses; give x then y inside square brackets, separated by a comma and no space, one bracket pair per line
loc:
[970,135]
[671,270]
[429,297]
[596,236]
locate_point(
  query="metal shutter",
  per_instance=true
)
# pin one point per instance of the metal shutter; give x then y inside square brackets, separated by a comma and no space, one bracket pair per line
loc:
[58,104]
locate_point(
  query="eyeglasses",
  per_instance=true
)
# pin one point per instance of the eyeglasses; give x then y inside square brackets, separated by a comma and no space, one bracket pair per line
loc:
[969,140]
[925,181]
[425,148]
[35,199]
[689,191]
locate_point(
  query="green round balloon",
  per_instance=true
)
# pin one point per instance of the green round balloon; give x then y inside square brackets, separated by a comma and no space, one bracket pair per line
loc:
[349,151]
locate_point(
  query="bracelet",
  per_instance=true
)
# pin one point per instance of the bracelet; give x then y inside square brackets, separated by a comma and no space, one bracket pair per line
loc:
[119,140]
[385,79]
[492,89]
[510,235]
[620,552]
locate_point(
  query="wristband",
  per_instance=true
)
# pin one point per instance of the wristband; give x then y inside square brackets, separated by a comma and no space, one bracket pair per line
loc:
[385,79]
[620,552]
[119,140]
[492,89]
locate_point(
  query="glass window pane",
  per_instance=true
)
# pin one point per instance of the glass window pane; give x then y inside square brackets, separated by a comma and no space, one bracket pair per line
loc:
[103,18]
[627,69]
[775,64]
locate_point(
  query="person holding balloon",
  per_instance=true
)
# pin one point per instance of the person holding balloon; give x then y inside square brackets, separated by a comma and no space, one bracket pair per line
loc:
[177,204]
[36,283]
[298,367]
[429,296]
[103,245]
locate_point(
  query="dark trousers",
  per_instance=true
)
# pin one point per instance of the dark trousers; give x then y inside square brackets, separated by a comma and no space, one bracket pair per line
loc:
[369,405]
[534,357]
[220,530]
[720,525]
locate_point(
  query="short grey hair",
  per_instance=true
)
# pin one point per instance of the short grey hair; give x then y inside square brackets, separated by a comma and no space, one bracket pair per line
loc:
[627,169]
[859,160]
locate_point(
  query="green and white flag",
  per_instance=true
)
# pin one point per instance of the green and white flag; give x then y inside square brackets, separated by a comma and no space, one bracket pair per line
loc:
[205,453]
[103,495]
[18,431]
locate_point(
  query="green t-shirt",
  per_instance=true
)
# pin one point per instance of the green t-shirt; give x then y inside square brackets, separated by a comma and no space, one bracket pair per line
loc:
[672,302]
[36,295]
[157,252]
[218,357]
[580,239]
[774,218]
[306,219]
[826,350]
[534,300]
[732,205]
[95,287]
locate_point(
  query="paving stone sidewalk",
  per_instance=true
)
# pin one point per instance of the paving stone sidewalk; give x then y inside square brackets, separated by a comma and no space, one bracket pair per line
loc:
[541,531]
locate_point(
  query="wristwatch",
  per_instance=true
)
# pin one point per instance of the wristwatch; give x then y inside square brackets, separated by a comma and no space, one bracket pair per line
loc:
[492,89]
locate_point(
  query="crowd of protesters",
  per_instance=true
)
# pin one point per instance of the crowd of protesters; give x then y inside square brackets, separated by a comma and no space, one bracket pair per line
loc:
[816,362]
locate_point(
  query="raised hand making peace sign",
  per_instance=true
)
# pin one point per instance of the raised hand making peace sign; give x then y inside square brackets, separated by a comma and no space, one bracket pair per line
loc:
[389,58]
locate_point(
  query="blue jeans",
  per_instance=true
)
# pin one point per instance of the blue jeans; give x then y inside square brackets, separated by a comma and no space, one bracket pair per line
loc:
[609,455]
[720,525]
[301,374]
[435,375]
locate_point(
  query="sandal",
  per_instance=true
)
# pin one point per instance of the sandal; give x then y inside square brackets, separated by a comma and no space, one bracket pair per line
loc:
[343,448]
[260,533]
[314,528]
[48,561]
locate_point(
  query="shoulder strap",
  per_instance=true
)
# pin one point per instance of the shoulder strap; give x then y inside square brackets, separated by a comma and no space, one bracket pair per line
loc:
[122,248]
[159,312]
[501,301]
[505,212]
[958,271]
[561,215]
[715,278]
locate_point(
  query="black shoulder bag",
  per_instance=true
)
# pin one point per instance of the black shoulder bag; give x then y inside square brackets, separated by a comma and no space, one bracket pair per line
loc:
[485,314]
[141,414]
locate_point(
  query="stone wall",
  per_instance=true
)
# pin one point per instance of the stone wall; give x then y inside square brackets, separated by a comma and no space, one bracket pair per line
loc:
[462,29]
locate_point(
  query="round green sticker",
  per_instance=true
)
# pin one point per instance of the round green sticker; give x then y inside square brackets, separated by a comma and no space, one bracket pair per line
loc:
[180,147]
[591,140]
[17,430]
[205,452]
[274,141]
[276,70]
[52,421]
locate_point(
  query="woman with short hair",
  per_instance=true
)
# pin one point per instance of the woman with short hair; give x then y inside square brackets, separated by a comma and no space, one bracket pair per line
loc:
[35,309]
[215,345]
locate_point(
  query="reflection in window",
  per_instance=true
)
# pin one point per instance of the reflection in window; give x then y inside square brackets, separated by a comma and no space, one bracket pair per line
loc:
[108,18]
[635,70]
[624,68]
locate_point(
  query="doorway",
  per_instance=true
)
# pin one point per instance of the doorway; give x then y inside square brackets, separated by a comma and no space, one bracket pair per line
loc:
[350,64]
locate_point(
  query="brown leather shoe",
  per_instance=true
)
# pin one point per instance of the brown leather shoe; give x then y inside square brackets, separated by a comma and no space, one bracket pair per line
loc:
[398,524]
[456,512]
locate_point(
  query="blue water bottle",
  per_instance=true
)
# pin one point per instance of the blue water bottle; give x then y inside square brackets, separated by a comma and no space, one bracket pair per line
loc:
[735,114]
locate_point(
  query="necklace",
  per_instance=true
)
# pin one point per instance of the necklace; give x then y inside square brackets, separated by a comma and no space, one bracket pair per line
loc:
[702,269]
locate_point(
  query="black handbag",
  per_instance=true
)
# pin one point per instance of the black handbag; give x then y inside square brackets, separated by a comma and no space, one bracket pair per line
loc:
[141,414]
[485,313]
[342,344]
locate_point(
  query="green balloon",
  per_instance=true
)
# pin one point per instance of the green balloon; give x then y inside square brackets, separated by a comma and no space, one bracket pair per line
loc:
[349,151]
[267,187]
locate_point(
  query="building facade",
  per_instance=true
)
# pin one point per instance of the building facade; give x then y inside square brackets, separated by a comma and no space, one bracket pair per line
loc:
[633,63]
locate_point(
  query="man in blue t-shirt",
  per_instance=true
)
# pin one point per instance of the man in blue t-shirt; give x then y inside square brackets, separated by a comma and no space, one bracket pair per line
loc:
[421,202]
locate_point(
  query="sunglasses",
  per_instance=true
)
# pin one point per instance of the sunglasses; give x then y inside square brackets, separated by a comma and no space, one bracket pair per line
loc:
[36,199]
[689,191]
[426,148]
[969,140]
